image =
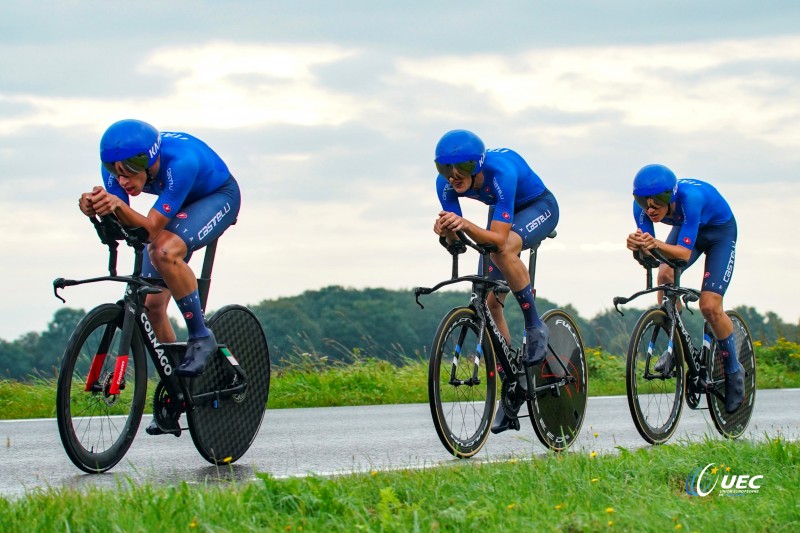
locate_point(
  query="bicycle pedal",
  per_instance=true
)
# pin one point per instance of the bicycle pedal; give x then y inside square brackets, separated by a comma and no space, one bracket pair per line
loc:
[158,431]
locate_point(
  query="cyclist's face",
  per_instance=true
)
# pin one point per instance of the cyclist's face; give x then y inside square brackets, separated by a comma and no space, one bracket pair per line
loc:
[459,180]
[132,182]
[656,211]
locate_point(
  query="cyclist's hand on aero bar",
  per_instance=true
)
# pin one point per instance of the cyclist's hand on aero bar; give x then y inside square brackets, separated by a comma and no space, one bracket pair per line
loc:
[86,202]
[635,241]
[450,222]
[103,202]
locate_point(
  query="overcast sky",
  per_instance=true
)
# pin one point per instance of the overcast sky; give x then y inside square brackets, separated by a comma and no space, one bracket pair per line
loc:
[328,112]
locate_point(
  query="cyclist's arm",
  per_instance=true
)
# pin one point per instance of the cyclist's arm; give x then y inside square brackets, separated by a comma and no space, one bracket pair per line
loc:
[105,203]
[497,234]
[154,222]
[644,238]
[672,251]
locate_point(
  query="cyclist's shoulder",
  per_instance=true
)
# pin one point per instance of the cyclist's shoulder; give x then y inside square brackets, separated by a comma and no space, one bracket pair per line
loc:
[505,164]
[692,187]
[698,194]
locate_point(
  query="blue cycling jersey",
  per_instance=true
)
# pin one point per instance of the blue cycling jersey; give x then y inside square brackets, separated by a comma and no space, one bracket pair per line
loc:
[189,170]
[697,205]
[508,183]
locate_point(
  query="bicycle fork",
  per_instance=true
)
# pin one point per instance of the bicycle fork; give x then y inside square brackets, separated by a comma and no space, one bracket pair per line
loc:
[118,377]
[475,378]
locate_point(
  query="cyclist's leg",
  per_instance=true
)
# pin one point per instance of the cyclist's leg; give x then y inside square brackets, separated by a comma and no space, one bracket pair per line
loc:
[194,226]
[719,243]
[502,421]
[532,223]
[500,272]
[666,361]
[157,313]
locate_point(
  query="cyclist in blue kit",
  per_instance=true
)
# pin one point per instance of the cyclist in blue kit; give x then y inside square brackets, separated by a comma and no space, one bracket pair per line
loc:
[522,212]
[198,199]
[703,223]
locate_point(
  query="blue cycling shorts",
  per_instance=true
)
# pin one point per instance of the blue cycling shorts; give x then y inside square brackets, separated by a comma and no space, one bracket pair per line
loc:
[202,221]
[718,243]
[533,221]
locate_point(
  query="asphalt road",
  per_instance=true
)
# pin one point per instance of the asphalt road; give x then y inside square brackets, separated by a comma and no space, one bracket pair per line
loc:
[340,440]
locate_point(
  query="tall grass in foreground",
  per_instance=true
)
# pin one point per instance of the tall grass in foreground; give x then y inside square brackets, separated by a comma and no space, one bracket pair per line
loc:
[308,380]
[642,490]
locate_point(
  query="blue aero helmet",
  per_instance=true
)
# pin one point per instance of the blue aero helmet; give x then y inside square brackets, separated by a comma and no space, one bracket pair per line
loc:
[656,182]
[134,143]
[462,150]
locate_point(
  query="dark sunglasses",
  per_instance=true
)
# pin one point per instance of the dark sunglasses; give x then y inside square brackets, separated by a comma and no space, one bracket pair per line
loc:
[465,167]
[135,164]
[661,199]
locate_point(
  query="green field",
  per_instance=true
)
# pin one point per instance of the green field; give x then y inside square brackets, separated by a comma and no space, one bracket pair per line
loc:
[642,490]
[310,381]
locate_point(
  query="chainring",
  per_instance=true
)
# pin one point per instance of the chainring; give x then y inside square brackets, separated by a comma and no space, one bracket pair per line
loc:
[693,395]
[511,397]
[166,414]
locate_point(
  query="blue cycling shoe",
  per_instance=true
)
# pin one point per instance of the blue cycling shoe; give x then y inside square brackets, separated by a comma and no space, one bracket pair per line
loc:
[502,421]
[198,352]
[535,349]
[734,390]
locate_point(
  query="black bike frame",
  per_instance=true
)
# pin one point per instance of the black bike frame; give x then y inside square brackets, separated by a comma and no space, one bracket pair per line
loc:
[508,358]
[672,293]
[163,355]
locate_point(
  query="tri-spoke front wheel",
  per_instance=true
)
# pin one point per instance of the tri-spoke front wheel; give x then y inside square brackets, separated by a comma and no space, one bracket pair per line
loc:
[101,392]
[462,383]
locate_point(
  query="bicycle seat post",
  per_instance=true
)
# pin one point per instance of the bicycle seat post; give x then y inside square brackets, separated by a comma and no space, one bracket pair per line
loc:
[532,263]
[204,281]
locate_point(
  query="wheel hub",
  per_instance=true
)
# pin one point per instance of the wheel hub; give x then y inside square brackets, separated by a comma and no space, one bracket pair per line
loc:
[108,398]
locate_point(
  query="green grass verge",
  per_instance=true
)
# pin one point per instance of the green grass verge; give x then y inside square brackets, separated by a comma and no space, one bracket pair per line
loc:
[642,490]
[310,381]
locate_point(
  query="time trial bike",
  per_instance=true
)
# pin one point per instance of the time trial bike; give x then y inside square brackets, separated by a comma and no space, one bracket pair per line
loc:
[468,351]
[103,381]
[655,397]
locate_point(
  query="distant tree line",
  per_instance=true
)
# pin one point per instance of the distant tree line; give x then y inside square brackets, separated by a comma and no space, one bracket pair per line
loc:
[340,323]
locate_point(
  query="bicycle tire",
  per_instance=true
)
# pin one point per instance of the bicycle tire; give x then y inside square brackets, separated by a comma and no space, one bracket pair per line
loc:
[656,403]
[733,425]
[223,431]
[96,427]
[462,414]
[557,418]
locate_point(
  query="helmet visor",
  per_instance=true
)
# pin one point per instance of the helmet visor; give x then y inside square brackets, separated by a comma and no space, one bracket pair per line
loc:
[661,198]
[465,167]
[134,164]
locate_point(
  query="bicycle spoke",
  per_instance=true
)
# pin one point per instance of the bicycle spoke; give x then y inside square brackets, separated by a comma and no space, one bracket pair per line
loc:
[461,384]
[95,426]
[655,399]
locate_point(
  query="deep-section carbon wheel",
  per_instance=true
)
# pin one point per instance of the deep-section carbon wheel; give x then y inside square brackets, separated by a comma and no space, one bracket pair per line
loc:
[655,398]
[732,425]
[223,431]
[462,383]
[557,412]
[97,414]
